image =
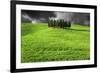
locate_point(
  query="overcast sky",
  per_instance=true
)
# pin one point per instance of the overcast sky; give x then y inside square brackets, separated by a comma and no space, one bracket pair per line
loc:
[33,15]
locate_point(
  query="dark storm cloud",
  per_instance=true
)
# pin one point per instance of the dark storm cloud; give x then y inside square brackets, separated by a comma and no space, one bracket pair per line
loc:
[38,14]
[81,18]
[44,16]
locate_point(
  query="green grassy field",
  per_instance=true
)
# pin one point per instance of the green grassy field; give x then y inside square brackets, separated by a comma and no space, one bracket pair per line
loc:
[40,43]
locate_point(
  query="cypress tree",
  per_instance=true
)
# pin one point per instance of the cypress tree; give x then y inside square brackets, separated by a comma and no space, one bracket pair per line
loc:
[62,23]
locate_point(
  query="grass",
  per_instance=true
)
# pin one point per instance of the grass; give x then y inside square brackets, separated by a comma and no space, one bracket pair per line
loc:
[40,43]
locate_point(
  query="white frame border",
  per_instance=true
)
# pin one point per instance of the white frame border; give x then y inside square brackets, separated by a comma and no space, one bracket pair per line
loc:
[20,65]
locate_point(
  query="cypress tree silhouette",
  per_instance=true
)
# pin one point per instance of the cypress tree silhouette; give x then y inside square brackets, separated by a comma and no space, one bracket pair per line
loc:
[59,23]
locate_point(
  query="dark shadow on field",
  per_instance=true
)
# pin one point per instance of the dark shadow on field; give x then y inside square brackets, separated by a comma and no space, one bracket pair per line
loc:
[31,28]
[27,31]
[77,29]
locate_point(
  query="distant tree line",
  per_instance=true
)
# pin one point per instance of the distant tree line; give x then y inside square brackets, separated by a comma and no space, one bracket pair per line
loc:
[59,23]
